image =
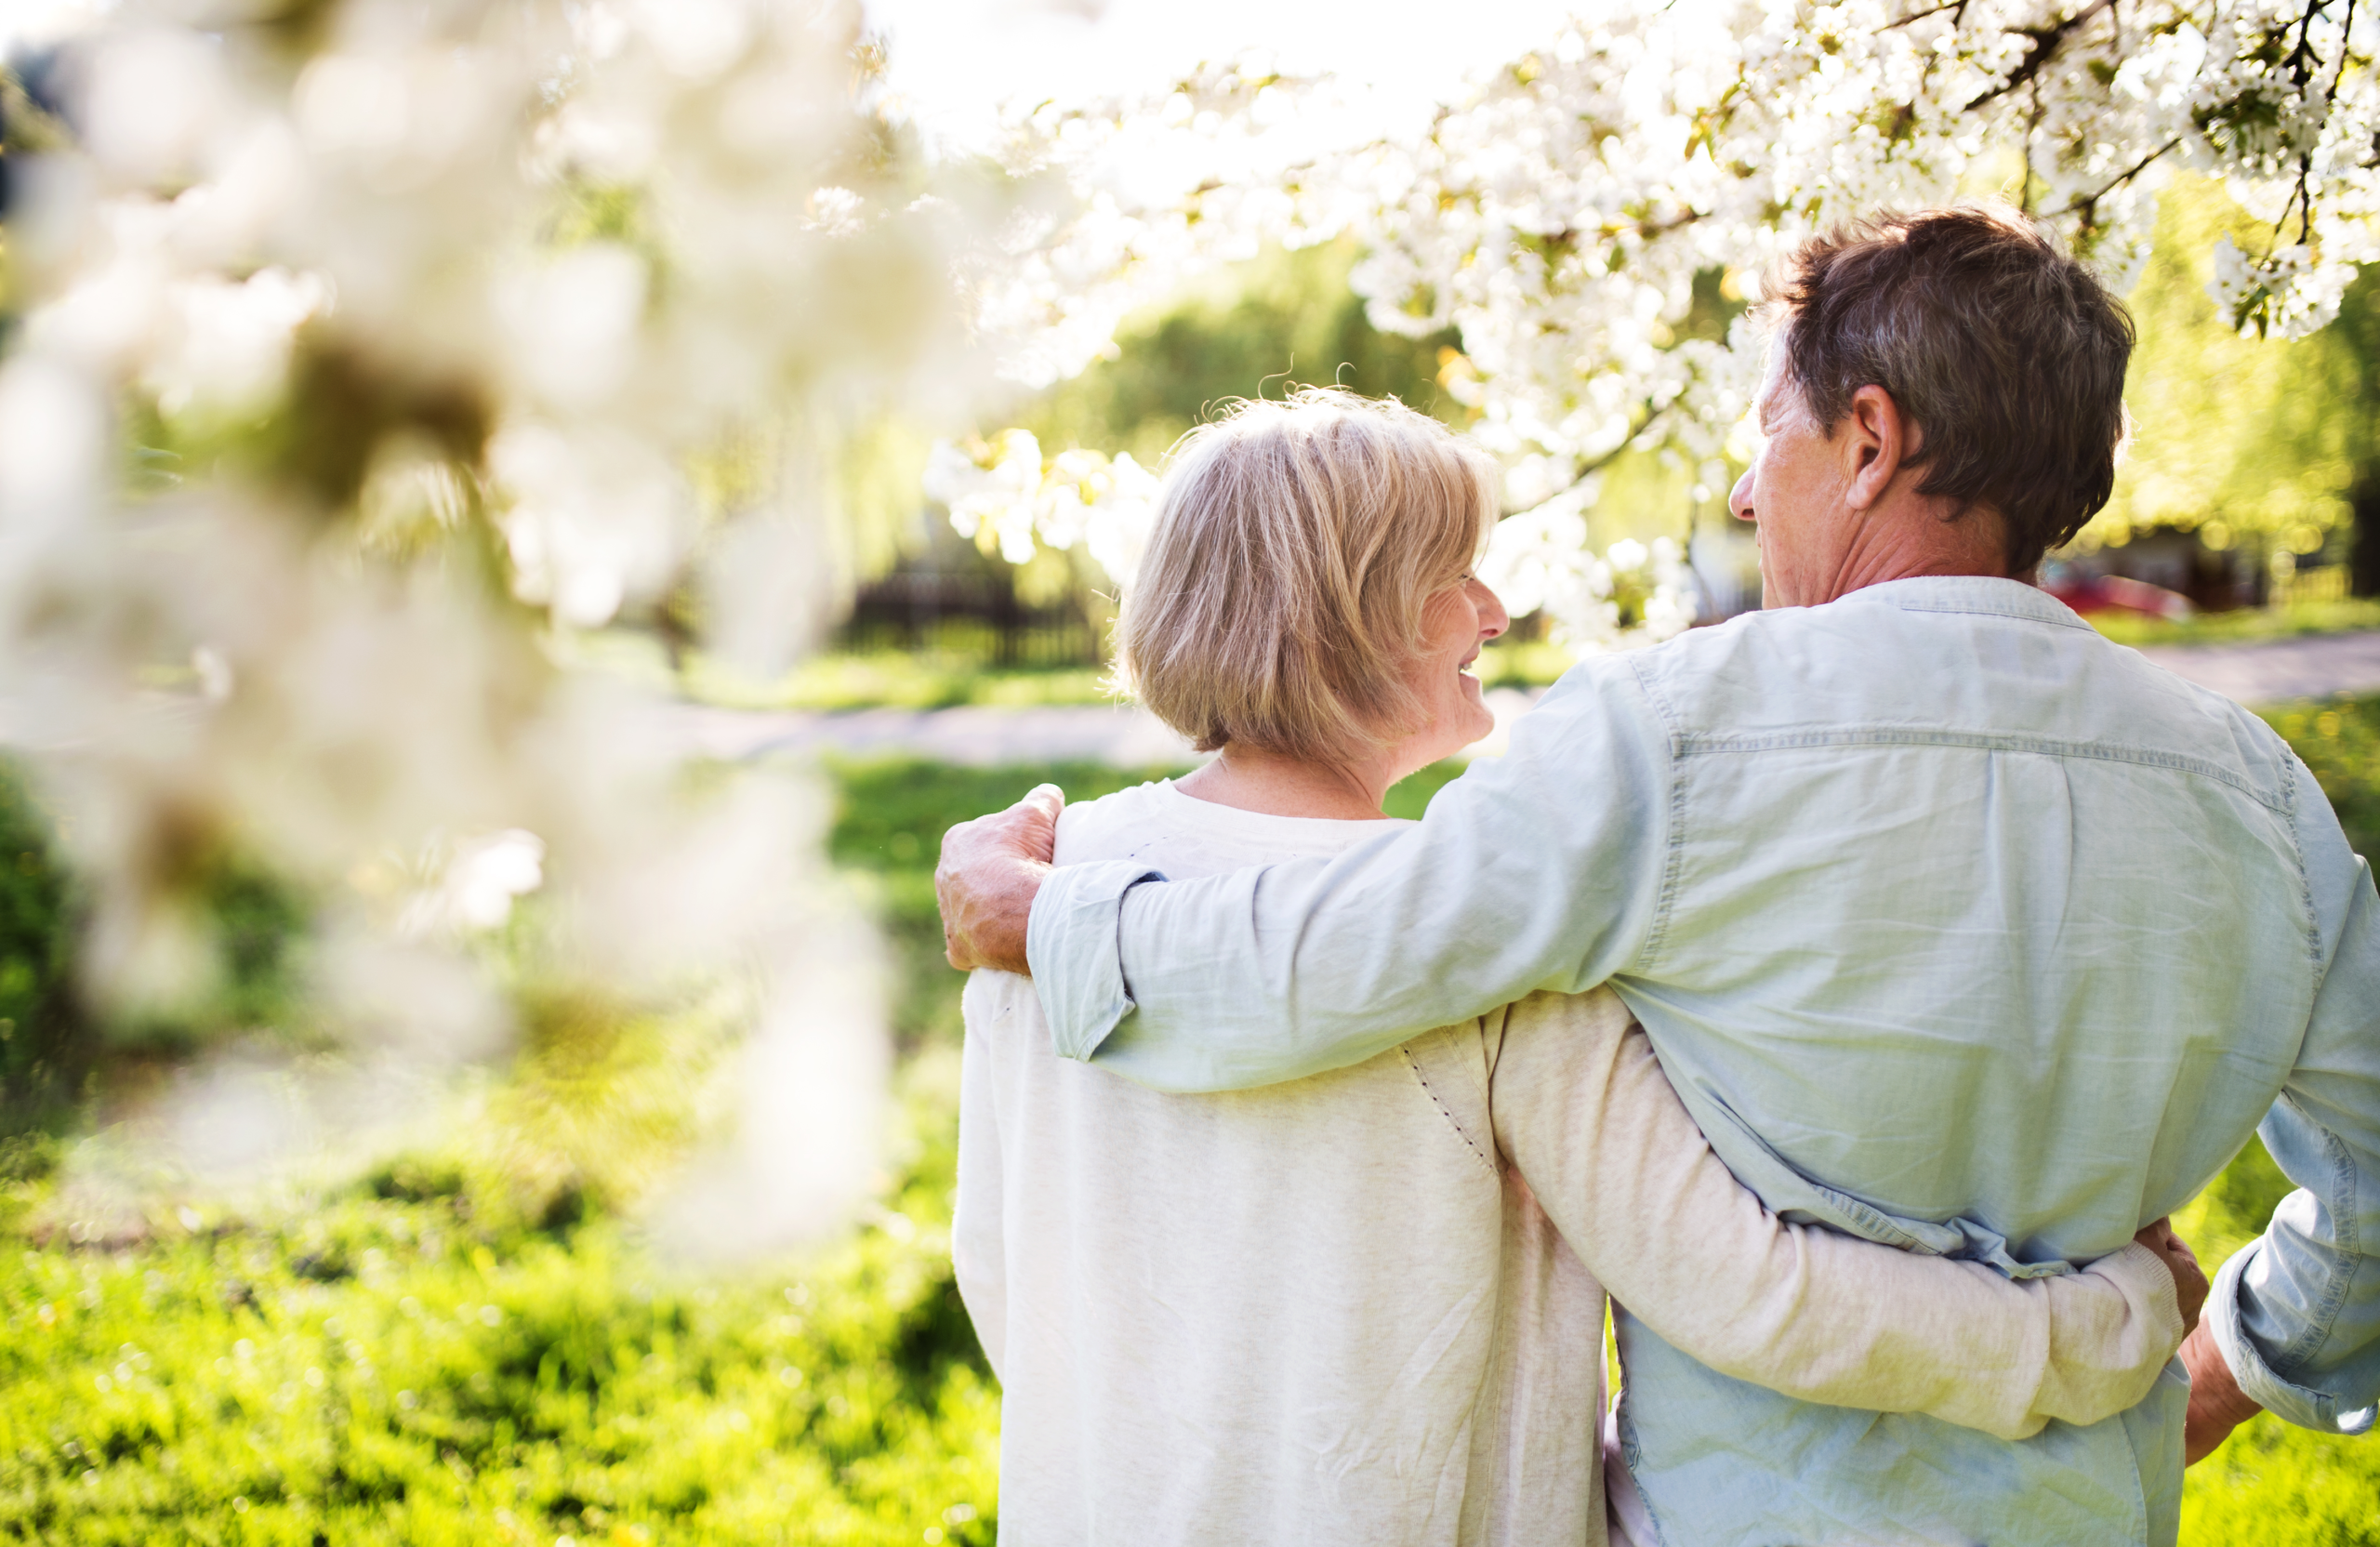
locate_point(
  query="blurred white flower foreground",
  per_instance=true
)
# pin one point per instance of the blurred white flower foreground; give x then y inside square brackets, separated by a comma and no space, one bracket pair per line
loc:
[362,348]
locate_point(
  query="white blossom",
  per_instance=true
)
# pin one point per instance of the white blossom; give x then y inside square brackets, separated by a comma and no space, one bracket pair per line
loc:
[1001,493]
[477,882]
[1632,593]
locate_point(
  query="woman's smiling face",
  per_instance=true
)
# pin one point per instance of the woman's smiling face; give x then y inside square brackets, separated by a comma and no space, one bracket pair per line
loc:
[1457,622]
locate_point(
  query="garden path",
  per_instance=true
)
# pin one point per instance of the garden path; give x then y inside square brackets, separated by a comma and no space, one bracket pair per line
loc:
[2265,671]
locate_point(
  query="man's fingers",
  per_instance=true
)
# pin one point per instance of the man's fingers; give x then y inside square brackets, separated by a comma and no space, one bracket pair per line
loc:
[988,872]
[1030,826]
[1041,808]
[2189,1283]
[2190,1278]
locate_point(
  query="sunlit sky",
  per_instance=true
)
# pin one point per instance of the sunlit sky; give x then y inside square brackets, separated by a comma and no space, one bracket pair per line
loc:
[957,60]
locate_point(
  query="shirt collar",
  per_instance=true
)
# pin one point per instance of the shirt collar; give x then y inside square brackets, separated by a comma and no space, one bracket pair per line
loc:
[1969,593]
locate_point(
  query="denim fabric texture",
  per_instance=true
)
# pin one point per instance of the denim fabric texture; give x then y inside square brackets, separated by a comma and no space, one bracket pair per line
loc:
[1956,926]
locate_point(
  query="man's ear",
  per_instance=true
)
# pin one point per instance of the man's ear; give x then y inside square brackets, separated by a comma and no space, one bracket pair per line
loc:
[1877,437]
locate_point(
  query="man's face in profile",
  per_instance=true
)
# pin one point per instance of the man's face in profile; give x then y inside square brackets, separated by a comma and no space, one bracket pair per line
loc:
[1793,491]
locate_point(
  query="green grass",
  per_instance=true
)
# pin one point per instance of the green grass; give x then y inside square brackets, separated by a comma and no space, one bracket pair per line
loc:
[431,1354]
[2270,1483]
[2273,1486]
[399,1362]
[2340,738]
[425,1357]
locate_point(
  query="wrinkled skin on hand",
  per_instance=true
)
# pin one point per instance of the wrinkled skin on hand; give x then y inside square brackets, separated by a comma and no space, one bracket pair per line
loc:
[991,870]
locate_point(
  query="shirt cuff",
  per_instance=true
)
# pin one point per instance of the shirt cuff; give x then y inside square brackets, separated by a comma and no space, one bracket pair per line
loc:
[2300,1405]
[1073,945]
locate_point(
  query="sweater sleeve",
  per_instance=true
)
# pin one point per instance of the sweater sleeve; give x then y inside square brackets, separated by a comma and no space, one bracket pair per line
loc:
[1582,1109]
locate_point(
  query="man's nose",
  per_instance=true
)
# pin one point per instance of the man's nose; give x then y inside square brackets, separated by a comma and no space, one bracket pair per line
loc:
[1739,498]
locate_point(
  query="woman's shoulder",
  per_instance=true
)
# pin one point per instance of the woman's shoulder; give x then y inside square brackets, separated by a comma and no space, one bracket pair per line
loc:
[1113,827]
[1158,826]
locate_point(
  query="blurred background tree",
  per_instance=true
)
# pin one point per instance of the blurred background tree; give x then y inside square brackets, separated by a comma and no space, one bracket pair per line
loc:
[2254,448]
[2249,461]
[1288,318]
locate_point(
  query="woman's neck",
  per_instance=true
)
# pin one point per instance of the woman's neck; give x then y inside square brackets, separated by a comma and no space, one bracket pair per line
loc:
[1277,786]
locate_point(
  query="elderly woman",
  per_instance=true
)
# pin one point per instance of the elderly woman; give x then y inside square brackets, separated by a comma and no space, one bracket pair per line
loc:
[1368,1307]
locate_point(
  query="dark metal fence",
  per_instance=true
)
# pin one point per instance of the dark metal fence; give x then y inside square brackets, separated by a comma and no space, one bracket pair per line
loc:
[977,616]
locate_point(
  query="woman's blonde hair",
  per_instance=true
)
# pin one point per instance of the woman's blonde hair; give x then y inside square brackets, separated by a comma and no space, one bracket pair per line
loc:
[1296,546]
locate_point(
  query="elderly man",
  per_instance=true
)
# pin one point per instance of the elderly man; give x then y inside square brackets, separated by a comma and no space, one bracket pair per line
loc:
[1955,926]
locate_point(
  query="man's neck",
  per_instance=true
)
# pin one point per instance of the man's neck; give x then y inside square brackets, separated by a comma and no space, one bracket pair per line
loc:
[1920,540]
[1248,779]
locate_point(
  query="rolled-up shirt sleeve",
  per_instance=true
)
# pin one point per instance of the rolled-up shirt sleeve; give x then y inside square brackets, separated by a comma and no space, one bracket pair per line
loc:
[1543,869]
[1070,941]
[2297,1313]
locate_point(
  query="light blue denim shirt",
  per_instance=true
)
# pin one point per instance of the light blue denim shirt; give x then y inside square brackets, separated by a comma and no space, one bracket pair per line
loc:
[1956,926]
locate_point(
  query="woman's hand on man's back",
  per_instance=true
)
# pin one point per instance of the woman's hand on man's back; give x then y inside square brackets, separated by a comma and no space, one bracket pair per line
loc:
[2189,1279]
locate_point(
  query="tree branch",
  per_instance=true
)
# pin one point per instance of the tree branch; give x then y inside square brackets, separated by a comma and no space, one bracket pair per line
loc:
[2046,41]
[2297,72]
[2346,47]
[1915,17]
[2088,204]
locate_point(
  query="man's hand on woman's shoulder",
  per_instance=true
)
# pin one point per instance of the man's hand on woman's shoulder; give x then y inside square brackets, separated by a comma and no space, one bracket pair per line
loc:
[991,869]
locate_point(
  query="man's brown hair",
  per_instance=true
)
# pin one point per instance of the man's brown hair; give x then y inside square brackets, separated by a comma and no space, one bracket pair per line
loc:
[2008,354]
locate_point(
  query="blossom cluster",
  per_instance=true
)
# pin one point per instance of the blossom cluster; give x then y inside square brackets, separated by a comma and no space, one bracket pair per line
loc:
[1002,495]
[1634,593]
